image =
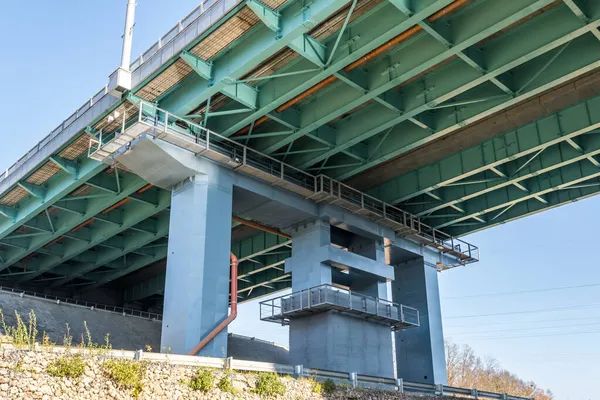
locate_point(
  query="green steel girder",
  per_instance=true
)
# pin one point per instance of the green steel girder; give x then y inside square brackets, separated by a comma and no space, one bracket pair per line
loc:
[264,44]
[577,7]
[57,187]
[95,234]
[526,208]
[368,32]
[521,53]
[408,61]
[65,222]
[513,146]
[257,256]
[296,20]
[134,262]
[8,212]
[271,19]
[201,67]
[33,190]
[240,92]
[309,48]
[68,166]
[541,185]
[107,255]
[145,289]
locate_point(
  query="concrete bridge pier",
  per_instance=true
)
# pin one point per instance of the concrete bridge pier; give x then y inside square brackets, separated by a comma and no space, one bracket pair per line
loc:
[331,340]
[420,355]
[197,277]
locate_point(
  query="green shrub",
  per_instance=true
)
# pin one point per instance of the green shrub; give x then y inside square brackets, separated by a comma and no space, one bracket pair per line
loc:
[204,380]
[126,374]
[269,385]
[226,385]
[329,386]
[70,366]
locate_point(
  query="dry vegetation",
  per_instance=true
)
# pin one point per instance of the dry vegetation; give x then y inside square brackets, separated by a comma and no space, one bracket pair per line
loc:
[467,370]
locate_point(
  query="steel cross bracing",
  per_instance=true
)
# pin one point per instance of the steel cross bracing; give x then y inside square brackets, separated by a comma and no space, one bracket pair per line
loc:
[513,58]
[471,63]
[535,167]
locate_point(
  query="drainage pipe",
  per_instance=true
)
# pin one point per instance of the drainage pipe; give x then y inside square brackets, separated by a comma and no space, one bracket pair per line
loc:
[367,57]
[234,278]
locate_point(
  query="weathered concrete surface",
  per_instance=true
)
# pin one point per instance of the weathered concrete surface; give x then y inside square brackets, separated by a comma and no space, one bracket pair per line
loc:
[129,333]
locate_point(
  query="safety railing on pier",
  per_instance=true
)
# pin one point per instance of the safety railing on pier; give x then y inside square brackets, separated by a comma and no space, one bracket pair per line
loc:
[326,297]
[86,304]
[160,124]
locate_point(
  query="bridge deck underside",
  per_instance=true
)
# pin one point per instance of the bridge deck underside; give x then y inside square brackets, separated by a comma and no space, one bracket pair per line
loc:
[480,115]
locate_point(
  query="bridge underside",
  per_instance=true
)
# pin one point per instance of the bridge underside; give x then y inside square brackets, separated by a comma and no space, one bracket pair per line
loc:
[466,114]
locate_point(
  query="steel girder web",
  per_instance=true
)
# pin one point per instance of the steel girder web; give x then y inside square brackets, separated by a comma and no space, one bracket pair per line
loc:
[261,269]
[295,21]
[412,59]
[507,160]
[563,195]
[70,178]
[105,231]
[536,62]
[73,214]
[133,239]
[261,256]
[498,201]
[264,43]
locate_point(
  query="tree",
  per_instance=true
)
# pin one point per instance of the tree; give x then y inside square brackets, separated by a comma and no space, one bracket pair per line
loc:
[467,370]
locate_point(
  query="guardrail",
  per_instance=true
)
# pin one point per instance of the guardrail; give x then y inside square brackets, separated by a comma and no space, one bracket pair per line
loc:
[86,304]
[298,371]
[186,31]
[186,134]
[326,297]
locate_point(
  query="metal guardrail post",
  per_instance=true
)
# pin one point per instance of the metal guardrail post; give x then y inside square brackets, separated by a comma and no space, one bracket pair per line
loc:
[139,354]
[439,389]
[353,378]
[298,371]
[400,385]
[475,394]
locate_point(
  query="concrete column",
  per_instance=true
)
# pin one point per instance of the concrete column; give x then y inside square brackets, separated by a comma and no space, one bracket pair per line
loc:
[197,277]
[307,269]
[331,340]
[420,355]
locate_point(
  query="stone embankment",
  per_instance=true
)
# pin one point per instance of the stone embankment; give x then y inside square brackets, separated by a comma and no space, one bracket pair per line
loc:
[24,374]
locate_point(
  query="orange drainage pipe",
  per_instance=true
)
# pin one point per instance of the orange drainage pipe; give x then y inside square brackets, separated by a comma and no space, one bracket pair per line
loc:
[260,226]
[232,315]
[367,57]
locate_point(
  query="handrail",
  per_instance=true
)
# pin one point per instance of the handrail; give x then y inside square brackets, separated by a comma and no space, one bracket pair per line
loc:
[96,306]
[237,154]
[344,300]
[178,30]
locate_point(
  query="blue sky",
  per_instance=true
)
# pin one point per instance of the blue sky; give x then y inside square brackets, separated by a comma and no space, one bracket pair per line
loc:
[57,54]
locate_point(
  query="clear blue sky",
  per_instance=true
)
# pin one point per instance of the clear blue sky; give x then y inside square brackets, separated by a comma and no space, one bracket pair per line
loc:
[57,54]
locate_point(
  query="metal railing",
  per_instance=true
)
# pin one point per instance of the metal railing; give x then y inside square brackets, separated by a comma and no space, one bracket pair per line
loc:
[194,137]
[187,30]
[57,131]
[86,304]
[327,297]
[297,371]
